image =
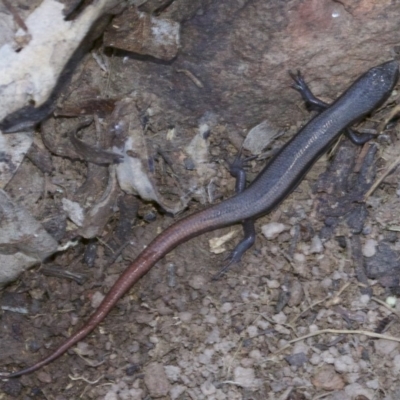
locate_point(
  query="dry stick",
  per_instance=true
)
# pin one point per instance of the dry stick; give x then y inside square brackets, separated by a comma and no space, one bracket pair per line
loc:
[395,110]
[15,14]
[81,378]
[329,297]
[392,166]
[339,331]
[392,310]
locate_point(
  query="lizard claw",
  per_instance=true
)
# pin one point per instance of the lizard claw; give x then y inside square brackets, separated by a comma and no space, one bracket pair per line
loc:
[299,82]
[235,256]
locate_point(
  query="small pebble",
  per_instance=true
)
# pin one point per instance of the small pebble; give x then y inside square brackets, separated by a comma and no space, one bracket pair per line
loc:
[373,384]
[356,391]
[44,377]
[207,388]
[273,284]
[391,301]
[176,391]
[185,316]
[369,248]
[252,331]
[315,359]
[345,363]
[297,360]
[327,379]
[299,258]
[273,229]
[296,294]
[96,299]
[197,282]
[385,347]
[365,298]
[173,372]
[396,364]
[255,354]
[84,349]
[246,362]
[316,245]
[226,307]
[244,377]
[156,380]
[280,318]
[213,337]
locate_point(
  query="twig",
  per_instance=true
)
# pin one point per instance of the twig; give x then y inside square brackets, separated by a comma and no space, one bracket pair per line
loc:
[81,378]
[392,166]
[16,16]
[339,332]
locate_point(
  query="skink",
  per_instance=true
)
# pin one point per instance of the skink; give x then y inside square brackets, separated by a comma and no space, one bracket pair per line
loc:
[273,184]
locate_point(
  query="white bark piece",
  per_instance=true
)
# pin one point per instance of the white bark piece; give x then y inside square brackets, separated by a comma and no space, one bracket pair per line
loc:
[31,74]
[13,149]
[23,240]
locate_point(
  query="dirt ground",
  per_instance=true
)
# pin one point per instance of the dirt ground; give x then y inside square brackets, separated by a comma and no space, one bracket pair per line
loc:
[324,260]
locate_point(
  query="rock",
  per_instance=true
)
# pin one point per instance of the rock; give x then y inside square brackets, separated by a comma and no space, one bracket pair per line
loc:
[156,380]
[327,379]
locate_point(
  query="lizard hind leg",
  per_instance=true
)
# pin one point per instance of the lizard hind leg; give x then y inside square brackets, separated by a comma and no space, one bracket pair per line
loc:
[236,169]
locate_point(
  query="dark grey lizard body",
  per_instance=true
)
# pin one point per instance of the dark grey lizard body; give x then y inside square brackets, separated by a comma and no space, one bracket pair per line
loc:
[275,182]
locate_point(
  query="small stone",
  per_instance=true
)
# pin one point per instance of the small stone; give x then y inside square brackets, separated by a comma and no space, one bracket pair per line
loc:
[369,248]
[358,392]
[327,379]
[282,329]
[273,229]
[300,347]
[197,282]
[176,391]
[391,301]
[345,363]
[385,347]
[173,372]
[96,299]
[365,299]
[142,33]
[315,359]
[252,331]
[226,307]
[255,354]
[280,318]
[156,380]
[207,388]
[206,357]
[111,396]
[327,357]
[296,294]
[44,377]
[211,319]
[185,316]
[83,349]
[316,245]
[373,384]
[246,362]
[297,360]
[132,369]
[396,364]
[273,284]
[244,377]
[299,258]
[259,137]
[213,337]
